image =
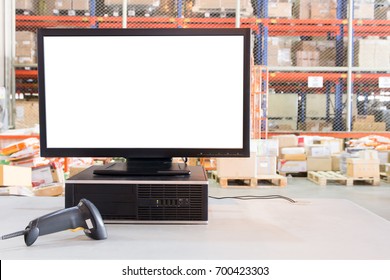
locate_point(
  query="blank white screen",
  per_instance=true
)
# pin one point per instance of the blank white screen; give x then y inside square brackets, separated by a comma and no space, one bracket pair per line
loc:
[144,92]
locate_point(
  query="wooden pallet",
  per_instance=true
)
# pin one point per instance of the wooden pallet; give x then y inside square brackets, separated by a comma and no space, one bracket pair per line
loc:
[269,180]
[385,177]
[322,177]
[293,174]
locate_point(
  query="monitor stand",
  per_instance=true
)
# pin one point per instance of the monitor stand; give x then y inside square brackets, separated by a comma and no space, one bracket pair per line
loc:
[144,167]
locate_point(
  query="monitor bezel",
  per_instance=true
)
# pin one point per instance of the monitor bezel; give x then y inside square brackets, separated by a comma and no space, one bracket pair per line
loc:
[145,152]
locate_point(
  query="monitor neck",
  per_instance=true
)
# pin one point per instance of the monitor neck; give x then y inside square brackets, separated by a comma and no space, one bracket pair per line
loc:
[149,160]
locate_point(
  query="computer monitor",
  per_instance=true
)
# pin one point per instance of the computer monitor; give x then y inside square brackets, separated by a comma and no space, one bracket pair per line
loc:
[148,95]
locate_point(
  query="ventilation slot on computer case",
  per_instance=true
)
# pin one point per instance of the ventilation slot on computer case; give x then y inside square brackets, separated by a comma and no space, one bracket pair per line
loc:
[171,203]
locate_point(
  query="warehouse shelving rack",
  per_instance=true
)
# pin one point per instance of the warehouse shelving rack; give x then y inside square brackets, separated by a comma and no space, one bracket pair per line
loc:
[336,79]
[259,102]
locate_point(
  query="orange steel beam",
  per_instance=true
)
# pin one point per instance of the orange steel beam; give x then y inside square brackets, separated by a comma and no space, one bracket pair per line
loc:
[281,27]
[371,28]
[16,137]
[54,21]
[336,134]
[303,76]
[26,73]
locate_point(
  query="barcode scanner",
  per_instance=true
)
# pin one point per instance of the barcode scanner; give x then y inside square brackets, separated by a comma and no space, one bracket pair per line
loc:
[83,216]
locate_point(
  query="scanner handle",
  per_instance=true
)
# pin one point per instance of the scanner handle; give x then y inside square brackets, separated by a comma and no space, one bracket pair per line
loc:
[84,215]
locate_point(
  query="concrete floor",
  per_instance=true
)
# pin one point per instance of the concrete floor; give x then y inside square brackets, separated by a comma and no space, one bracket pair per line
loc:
[374,198]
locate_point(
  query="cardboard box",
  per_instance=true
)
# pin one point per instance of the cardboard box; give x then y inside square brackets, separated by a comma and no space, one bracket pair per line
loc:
[327,58]
[362,168]
[76,169]
[205,4]
[292,150]
[363,126]
[368,154]
[319,163]
[322,10]
[306,46]
[237,167]
[295,157]
[384,157]
[382,53]
[41,176]
[335,162]
[343,160]
[289,166]
[387,169]
[15,176]
[22,36]
[279,10]
[318,150]
[268,148]
[305,140]
[372,53]
[336,145]
[303,9]
[26,5]
[279,57]
[24,51]
[266,166]
[279,51]
[364,10]
[364,118]
[25,60]
[307,58]
[80,5]
[381,13]
[63,4]
[286,140]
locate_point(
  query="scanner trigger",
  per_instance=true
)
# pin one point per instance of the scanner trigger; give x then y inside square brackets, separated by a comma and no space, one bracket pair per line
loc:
[77,229]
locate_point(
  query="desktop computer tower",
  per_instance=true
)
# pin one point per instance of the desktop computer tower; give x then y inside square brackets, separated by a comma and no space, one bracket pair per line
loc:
[143,199]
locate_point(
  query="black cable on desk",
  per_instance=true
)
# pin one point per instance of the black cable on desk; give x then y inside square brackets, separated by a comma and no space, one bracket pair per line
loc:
[250,197]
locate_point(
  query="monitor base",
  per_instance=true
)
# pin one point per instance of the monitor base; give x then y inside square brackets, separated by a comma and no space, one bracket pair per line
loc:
[144,167]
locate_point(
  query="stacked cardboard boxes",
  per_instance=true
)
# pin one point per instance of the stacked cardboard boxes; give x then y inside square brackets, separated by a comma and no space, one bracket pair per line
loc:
[367,123]
[237,167]
[336,147]
[384,159]
[327,50]
[199,5]
[319,157]
[63,4]
[292,158]
[372,53]
[382,12]
[364,9]
[279,51]
[318,126]
[323,9]
[25,47]
[365,166]
[310,153]
[307,54]
[317,9]
[267,153]
[280,8]
[80,5]
[25,5]
[315,53]
[262,161]
[75,5]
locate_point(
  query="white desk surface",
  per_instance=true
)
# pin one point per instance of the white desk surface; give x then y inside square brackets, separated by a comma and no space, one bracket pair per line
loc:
[257,229]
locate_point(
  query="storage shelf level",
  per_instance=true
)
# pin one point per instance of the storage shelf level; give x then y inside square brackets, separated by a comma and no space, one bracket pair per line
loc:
[276,27]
